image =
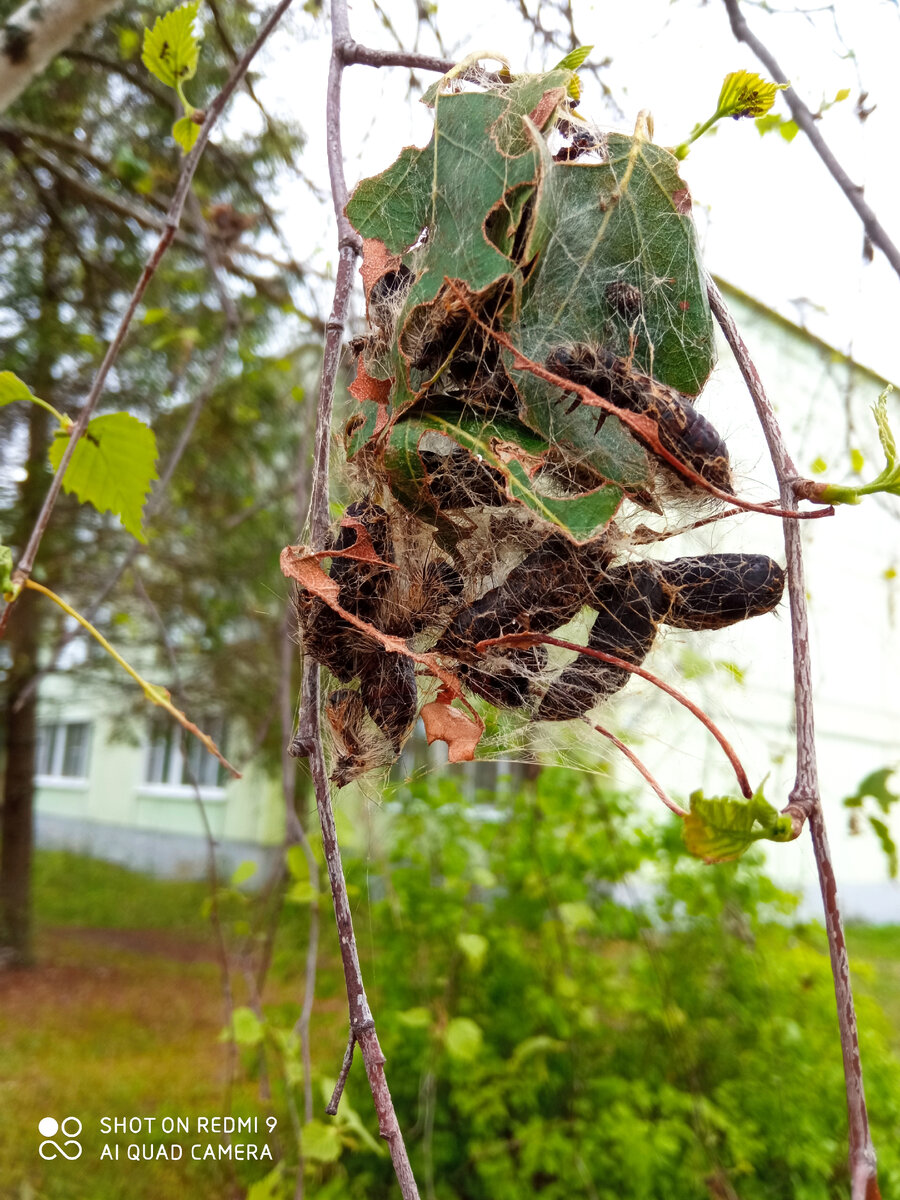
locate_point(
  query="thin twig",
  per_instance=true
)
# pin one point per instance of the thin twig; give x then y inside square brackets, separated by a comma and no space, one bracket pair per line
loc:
[173,219]
[153,692]
[805,801]
[807,122]
[309,739]
[541,639]
[352,53]
[332,1106]
[636,762]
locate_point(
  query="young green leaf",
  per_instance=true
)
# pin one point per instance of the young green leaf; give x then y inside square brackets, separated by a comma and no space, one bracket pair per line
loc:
[244,871]
[246,1028]
[887,481]
[720,828]
[574,59]
[743,94]
[746,94]
[171,47]
[112,467]
[572,62]
[321,1142]
[185,131]
[12,388]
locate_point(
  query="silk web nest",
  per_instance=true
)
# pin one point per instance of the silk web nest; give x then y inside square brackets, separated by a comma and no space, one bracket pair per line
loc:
[539,332]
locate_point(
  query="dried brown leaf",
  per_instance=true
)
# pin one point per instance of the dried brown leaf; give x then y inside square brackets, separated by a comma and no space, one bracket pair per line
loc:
[461,732]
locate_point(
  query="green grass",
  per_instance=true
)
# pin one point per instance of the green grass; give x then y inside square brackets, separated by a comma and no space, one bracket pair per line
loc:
[121,1017]
[72,890]
[875,962]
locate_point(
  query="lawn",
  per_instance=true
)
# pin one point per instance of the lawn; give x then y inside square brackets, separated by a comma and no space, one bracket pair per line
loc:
[121,1017]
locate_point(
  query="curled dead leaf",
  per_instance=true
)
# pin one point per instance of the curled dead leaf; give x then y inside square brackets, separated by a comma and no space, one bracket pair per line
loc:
[461,732]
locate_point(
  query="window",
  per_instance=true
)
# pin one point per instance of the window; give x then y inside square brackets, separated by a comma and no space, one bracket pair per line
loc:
[63,750]
[175,763]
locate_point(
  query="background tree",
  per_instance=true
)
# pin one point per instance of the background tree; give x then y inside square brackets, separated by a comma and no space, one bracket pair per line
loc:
[87,166]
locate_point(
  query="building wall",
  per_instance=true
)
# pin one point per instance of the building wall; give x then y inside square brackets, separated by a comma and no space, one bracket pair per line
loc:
[115,813]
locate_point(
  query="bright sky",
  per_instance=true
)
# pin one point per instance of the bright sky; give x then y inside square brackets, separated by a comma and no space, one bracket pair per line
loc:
[771,219]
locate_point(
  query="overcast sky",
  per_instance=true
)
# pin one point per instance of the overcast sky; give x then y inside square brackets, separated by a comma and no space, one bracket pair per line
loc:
[771,219]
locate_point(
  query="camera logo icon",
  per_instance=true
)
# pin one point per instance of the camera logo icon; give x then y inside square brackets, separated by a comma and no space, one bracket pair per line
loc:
[49,1127]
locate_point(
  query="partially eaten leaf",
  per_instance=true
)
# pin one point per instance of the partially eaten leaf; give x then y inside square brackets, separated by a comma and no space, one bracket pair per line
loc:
[721,828]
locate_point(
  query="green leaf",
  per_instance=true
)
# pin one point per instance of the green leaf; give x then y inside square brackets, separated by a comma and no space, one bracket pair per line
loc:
[626,223]
[246,1027]
[888,480]
[475,947]
[789,130]
[244,871]
[154,315]
[746,94]
[857,461]
[12,388]
[129,43]
[720,828]
[6,567]
[875,786]
[301,892]
[511,452]
[296,862]
[112,467]
[321,1142]
[462,1039]
[888,845]
[172,47]
[577,914]
[185,131]
[574,58]
[841,95]
[533,1046]
[270,1187]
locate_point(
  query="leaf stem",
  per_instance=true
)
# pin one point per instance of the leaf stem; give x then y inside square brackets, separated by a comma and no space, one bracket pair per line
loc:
[154,693]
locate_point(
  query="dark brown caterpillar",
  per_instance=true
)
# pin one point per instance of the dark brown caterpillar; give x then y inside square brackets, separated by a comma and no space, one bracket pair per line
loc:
[387,685]
[682,430]
[708,592]
[543,592]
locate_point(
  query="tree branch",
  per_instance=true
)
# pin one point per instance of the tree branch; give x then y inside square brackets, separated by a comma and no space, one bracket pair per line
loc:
[34,34]
[804,803]
[308,740]
[807,122]
[172,221]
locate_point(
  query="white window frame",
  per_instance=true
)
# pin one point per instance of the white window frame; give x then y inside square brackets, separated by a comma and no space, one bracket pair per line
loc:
[54,778]
[172,787]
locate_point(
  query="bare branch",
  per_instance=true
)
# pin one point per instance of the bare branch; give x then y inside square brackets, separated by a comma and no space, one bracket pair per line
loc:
[309,735]
[353,53]
[173,219]
[805,802]
[807,122]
